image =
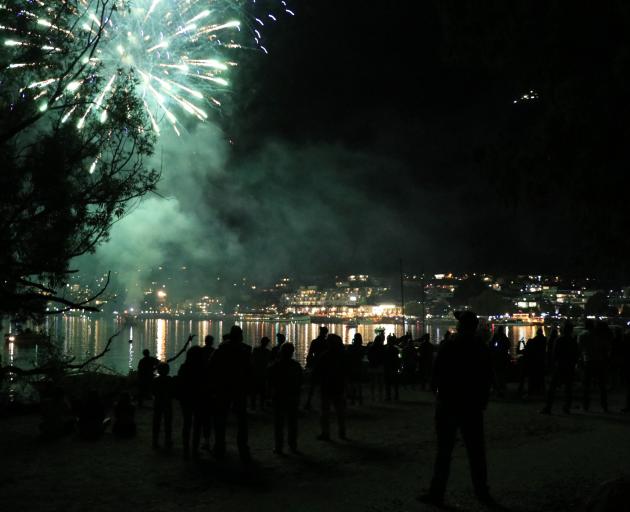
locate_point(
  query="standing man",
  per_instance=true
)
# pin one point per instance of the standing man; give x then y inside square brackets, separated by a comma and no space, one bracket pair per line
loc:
[536,352]
[208,348]
[331,371]
[625,364]
[261,358]
[595,346]
[315,350]
[500,358]
[163,391]
[563,361]
[275,351]
[426,351]
[230,374]
[285,380]
[146,370]
[391,367]
[462,377]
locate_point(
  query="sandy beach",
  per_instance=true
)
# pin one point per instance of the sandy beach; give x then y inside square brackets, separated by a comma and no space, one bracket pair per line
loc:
[551,463]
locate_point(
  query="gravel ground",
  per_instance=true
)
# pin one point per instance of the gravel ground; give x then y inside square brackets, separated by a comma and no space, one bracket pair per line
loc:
[536,463]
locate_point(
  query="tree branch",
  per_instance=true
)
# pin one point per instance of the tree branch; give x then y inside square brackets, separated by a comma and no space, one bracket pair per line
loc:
[83,305]
[49,368]
[97,356]
[190,338]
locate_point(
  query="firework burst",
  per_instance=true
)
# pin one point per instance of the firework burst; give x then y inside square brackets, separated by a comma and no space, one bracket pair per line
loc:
[71,55]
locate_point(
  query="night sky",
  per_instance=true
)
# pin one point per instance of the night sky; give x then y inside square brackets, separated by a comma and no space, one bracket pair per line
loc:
[456,136]
[471,179]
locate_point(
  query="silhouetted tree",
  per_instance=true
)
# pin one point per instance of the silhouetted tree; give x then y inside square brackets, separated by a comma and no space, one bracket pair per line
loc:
[70,166]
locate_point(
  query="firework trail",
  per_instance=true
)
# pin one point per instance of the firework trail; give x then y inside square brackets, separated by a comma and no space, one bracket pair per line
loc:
[71,55]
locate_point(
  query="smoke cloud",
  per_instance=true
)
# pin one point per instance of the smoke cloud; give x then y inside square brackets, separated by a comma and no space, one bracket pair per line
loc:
[300,210]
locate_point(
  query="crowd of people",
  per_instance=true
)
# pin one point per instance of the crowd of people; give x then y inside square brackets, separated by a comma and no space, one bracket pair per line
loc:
[599,354]
[462,370]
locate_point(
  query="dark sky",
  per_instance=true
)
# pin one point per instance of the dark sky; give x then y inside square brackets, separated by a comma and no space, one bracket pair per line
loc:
[375,131]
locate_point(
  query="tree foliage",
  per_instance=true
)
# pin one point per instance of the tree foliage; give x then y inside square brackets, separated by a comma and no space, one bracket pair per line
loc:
[62,188]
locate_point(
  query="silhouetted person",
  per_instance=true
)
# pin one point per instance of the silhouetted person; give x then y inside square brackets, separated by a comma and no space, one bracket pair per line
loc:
[391,368]
[193,394]
[230,371]
[315,350]
[551,343]
[206,417]
[124,424]
[275,351]
[615,359]
[163,392]
[285,381]
[57,417]
[410,361]
[426,352]
[146,370]
[563,361]
[536,354]
[208,347]
[376,365]
[462,377]
[625,367]
[615,364]
[356,353]
[332,372]
[92,421]
[261,358]
[594,345]
[500,356]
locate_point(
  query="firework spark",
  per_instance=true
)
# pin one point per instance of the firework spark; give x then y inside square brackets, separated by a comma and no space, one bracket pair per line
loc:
[73,53]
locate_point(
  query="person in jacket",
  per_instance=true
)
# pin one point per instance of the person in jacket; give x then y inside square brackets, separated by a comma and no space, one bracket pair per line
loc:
[594,346]
[462,378]
[563,361]
[391,368]
[231,374]
[285,382]
[146,372]
[500,357]
[356,353]
[193,394]
[163,393]
[331,372]
[315,350]
[261,358]
[376,366]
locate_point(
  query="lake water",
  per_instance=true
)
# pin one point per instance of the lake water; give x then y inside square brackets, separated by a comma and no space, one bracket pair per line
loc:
[84,337]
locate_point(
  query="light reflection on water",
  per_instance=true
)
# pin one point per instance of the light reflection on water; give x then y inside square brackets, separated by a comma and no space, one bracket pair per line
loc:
[85,337]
